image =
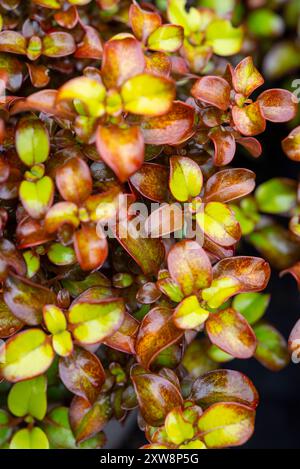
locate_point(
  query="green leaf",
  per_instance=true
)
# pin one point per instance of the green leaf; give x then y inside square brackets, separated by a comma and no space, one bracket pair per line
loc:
[265,23]
[61,255]
[189,314]
[5,431]
[29,439]
[185,178]
[251,305]
[29,398]
[37,197]
[32,141]
[224,38]
[189,20]
[278,195]
[32,262]
[271,349]
[166,38]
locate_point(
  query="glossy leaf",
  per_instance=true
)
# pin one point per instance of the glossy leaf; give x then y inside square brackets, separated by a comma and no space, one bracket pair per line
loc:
[219,224]
[122,149]
[13,42]
[224,386]
[166,38]
[62,344]
[231,332]
[156,395]
[246,78]
[226,424]
[189,314]
[92,322]
[124,338]
[62,213]
[54,319]
[91,45]
[185,178]
[10,258]
[224,38]
[157,332]
[61,255]
[26,438]
[151,180]
[277,195]
[91,248]
[212,90]
[278,105]
[229,184]
[58,44]
[251,305]
[74,180]
[37,197]
[32,141]
[249,120]
[9,324]
[225,146]
[143,22]
[29,398]
[82,373]
[178,428]
[87,92]
[148,95]
[271,347]
[291,145]
[26,355]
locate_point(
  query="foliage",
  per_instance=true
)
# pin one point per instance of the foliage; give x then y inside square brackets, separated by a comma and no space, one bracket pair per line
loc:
[105,103]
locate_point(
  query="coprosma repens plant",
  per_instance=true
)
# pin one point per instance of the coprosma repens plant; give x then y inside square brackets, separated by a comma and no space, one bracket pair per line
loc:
[120,222]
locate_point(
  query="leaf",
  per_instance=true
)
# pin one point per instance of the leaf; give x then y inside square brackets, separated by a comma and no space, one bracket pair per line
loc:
[124,338]
[148,253]
[249,120]
[212,90]
[54,319]
[74,180]
[13,70]
[91,248]
[148,95]
[157,332]
[91,46]
[264,22]
[26,299]
[219,224]
[246,78]
[89,94]
[251,305]
[5,430]
[87,420]
[291,145]
[224,144]
[57,428]
[29,398]
[37,197]
[32,141]
[39,75]
[224,386]
[178,428]
[166,38]
[26,355]
[189,266]
[9,324]
[151,180]
[271,349]
[143,22]
[252,145]
[168,218]
[122,149]
[278,195]
[186,178]
[68,18]
[33,438]
[294,341]
[229,184]
[83,374]
[224,38]
[278,105]
[226,424]
[58,44]
[115,69]
[156,395]
[60,214]
[189,314]
[61,255]
[230,331]
[76,287]
[173,128]
[10,258]
[62,344]
[189,20]
[158,63]
[90,323]
[13,42]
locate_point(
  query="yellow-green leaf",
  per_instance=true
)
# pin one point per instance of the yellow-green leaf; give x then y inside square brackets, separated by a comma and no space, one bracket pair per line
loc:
[62,343]
[29,398]
[166,38]
[32,141]
[186,178]
[219,224]
[26,438]
[86,94]
[37,197]
[224,38]
[177,428]
[189,314]
[54,319]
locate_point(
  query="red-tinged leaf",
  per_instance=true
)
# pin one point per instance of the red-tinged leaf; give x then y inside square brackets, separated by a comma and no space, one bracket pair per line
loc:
[229,184]
[226,424]
[166,38]
[87,420]
[13,42]
[230,331]
[148,253]
[189,314]
[186,178]
[224,386]
[62,213]
[246,78]
[91,248]
[148,293]
[252,145]
[158,63]
[294,342]
[68,18]
[83,374]
[168,218]
[123,58]
[10,258]
[252,272]
[143,22]
[31,233]
[215,251]
[13,71]
[189,266]
[91,46]
[291,145]
[218,222]
[74,180]
[124,339]
[151,181]
[173,128]
[278,105]
[9,324]
[121,149]
[156,395]
[26,299]
[212,90]
[225,146]
[58,44]
[39,75]
[249,120]
[294,271]
[157,332]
